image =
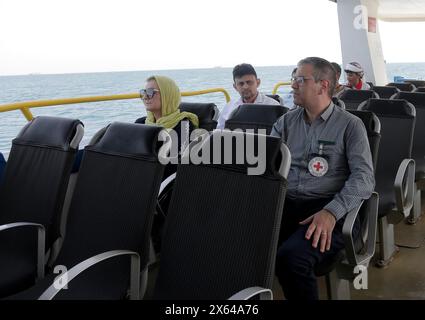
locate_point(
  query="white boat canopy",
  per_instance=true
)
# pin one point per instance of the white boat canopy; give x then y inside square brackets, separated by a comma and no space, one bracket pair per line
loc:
[401,10]
[359,30]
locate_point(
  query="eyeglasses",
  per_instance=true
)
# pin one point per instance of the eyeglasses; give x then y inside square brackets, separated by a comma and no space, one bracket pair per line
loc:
[148,93]
[300,79]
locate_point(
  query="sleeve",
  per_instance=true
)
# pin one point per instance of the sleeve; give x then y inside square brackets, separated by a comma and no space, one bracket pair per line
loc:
[278,128]
[361,181]
[224,115]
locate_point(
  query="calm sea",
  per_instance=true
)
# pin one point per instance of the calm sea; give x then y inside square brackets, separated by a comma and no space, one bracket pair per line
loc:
[97,115]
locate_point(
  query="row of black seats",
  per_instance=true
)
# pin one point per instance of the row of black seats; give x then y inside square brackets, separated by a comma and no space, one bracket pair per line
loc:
[111,212]
[353,98]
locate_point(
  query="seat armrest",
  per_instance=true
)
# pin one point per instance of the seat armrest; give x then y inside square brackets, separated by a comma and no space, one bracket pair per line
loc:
[41,242]
[248,293]
[404,192]
[68,276]
[166,182]
[369,235]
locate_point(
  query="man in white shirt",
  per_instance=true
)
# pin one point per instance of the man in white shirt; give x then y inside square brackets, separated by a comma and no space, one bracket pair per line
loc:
[245,82]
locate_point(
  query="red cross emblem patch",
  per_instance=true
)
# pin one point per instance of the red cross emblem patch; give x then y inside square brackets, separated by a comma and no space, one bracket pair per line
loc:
[318,166]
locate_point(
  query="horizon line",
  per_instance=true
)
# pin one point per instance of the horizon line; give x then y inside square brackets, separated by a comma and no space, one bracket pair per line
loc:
[172,69]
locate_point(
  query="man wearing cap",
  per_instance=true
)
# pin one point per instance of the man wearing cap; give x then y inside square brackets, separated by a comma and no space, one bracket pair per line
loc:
[246,83]
[331,173]
[355,73]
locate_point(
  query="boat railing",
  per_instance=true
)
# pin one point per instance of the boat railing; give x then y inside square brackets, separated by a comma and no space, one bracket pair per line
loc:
[280,84]
[25,106]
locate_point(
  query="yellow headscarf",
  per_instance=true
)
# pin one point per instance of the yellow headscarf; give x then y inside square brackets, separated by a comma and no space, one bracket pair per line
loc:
[170,101]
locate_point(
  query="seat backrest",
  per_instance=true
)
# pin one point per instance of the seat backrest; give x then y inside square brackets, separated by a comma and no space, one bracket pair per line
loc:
[420,89]
[353,98]
[37,172]
[222,227]
[397,119]
[275,96]
[112,207]
[418,151]
[403,86]
[207,113]
[385,92]
[373,129]
[416,83]
[255,116]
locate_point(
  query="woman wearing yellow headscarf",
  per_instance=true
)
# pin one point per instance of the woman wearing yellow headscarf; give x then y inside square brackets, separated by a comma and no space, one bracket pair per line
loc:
[161,97]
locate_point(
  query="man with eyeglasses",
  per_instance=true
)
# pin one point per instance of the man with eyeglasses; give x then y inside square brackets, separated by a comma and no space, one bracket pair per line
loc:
[331,173]
[246,83]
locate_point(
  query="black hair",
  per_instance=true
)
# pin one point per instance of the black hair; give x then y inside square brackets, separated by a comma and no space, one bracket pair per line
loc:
[322,70]
[243,69]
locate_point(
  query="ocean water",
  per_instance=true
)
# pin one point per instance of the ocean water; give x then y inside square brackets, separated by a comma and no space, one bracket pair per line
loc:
[99,114]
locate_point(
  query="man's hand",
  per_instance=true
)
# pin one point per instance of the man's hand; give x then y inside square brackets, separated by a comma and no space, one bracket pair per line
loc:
[322,225]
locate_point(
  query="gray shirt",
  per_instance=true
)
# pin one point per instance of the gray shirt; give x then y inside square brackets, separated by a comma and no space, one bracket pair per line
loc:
[350,177]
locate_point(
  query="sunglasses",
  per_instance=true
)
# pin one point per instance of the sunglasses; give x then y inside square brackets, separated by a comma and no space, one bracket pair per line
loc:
[148,93]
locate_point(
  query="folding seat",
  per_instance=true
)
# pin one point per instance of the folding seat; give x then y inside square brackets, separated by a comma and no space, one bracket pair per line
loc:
[418,151]
[385,92]
[222,228]
[357,252]
[207,113]
[395,172]
[353,98]
[32,193]
[403,86]
[255,116]
[110,217]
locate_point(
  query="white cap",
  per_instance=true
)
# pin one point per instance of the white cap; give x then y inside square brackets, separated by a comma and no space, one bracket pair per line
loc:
[354,67]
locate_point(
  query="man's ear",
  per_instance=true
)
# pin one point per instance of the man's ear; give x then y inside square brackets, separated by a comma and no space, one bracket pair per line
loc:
[324,87]
[234,86]
[258,82]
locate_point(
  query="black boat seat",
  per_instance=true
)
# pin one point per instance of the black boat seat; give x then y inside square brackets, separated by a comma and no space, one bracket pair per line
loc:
[32,192]
[207,113]
[403,86]
[385,92]
[420,89]
[110,216]
[353,98]
[255,116]
[395,171]
[223,224]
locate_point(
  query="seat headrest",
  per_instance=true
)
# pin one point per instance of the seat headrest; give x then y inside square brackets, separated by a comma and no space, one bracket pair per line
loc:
[390,108]
[242,152]
[274,96]
[258,113]
[129,139]
[52,132]
[388,90]
[206,112]
[416,83]
[415,98]
[357,95]
[403,86]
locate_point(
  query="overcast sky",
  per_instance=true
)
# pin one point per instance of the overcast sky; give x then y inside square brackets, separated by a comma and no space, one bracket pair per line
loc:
[61,36]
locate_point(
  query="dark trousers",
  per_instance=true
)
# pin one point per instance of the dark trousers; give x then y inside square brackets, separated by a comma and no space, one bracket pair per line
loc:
[296,258]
